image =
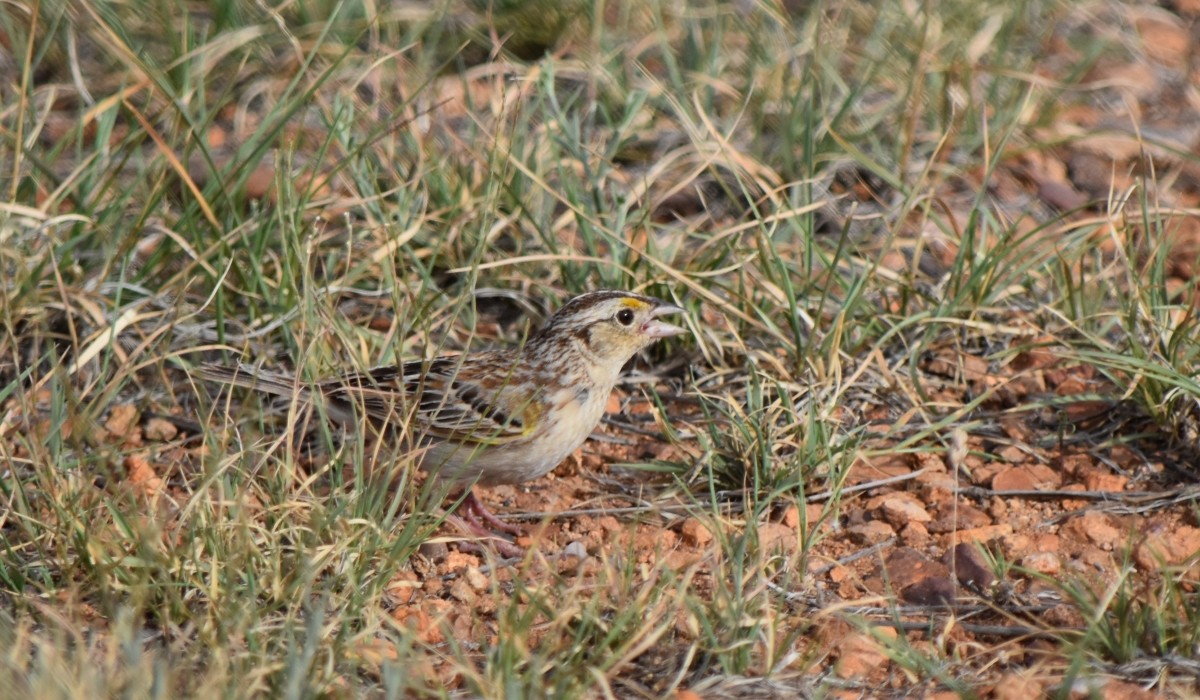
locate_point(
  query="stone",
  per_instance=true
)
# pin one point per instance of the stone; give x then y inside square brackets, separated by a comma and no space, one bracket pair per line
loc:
[964,517]
[1017,686]
[859,655]
[1030,477]
[1096,528]
[901,509]
[1045,563]
[906,566]
[160,430]
[1167,548]
[870,532]
[915,534]
[935,590]
[695,533]
[983,534]
[970,567]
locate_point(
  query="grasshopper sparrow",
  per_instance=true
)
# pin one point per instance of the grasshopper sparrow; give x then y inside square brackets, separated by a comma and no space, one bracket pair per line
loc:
[493,417]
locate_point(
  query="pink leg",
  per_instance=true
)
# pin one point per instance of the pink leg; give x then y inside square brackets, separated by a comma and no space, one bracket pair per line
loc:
[476,514]
[489,539]
[472,515]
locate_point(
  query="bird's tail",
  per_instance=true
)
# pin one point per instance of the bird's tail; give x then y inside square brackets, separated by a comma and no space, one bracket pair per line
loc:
[251,377]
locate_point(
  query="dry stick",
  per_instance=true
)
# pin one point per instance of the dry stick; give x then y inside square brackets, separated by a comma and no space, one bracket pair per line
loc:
[1120,502]
[1155,665]
[992,630]
[856,556]
[1135,497]
[683,509]
[793,596]
[959,609]
[865,486]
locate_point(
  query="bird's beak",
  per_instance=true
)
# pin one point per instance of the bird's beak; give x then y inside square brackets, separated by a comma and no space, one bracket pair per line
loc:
[657,329]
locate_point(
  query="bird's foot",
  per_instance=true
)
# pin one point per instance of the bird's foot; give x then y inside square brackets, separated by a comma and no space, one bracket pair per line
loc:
[476,513]
[474,518]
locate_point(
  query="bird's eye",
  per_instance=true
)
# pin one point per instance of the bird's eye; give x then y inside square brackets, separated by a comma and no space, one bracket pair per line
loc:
[625,317]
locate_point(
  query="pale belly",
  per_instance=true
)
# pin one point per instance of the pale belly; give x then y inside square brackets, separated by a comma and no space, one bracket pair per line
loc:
[573,420]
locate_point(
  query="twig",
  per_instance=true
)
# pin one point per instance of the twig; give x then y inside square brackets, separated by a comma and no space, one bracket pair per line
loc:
[1172,496]
[869,551]
[990,630]
[865,486]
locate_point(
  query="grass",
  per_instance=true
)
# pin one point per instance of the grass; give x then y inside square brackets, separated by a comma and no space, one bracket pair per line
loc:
[828,192]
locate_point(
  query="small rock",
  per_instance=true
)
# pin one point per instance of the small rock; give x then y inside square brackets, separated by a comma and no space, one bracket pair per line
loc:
[459,561]
[433,586]
[574,550]
[983,534]
[121,419]
[1015,427]
[461,591]
[983,474]
[1015,686]
[1074,503]
[915,534]
[680,559]
[837,574]
[776,535]
[1063,615]
[1169,548]
[870,532]
[1115,689]
[859,655]
[906,567]
[402,588]
[1047,542]
[1188,8]
[970,568]
[609,525]
[141,476]
[1166,41]
[1061,195]
[901,509]
[695,533]
[964,517]
[435,551]
[935,590]
[1012,454]
[1102,481]
[160,429]
[1045,563]
[937,481]
[1032,477]
[1098,529]
[1095,558]
[420,623]
[1017,545]
[475,578]
[654,539]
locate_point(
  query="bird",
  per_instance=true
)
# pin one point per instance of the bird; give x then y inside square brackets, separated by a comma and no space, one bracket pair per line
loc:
[502,416]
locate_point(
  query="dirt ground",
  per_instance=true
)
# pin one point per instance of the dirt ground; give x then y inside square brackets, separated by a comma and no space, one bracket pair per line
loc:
[972,538]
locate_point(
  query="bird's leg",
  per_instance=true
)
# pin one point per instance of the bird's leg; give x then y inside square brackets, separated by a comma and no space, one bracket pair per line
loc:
[476,514]
[472,515]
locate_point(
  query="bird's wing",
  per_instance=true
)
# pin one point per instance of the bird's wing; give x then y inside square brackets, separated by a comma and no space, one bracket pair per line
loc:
[449,398]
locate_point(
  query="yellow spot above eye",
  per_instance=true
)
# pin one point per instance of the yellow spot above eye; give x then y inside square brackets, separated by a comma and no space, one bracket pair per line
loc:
[634,303]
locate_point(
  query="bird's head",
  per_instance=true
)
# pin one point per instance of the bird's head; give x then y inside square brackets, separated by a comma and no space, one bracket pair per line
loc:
[612,325]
